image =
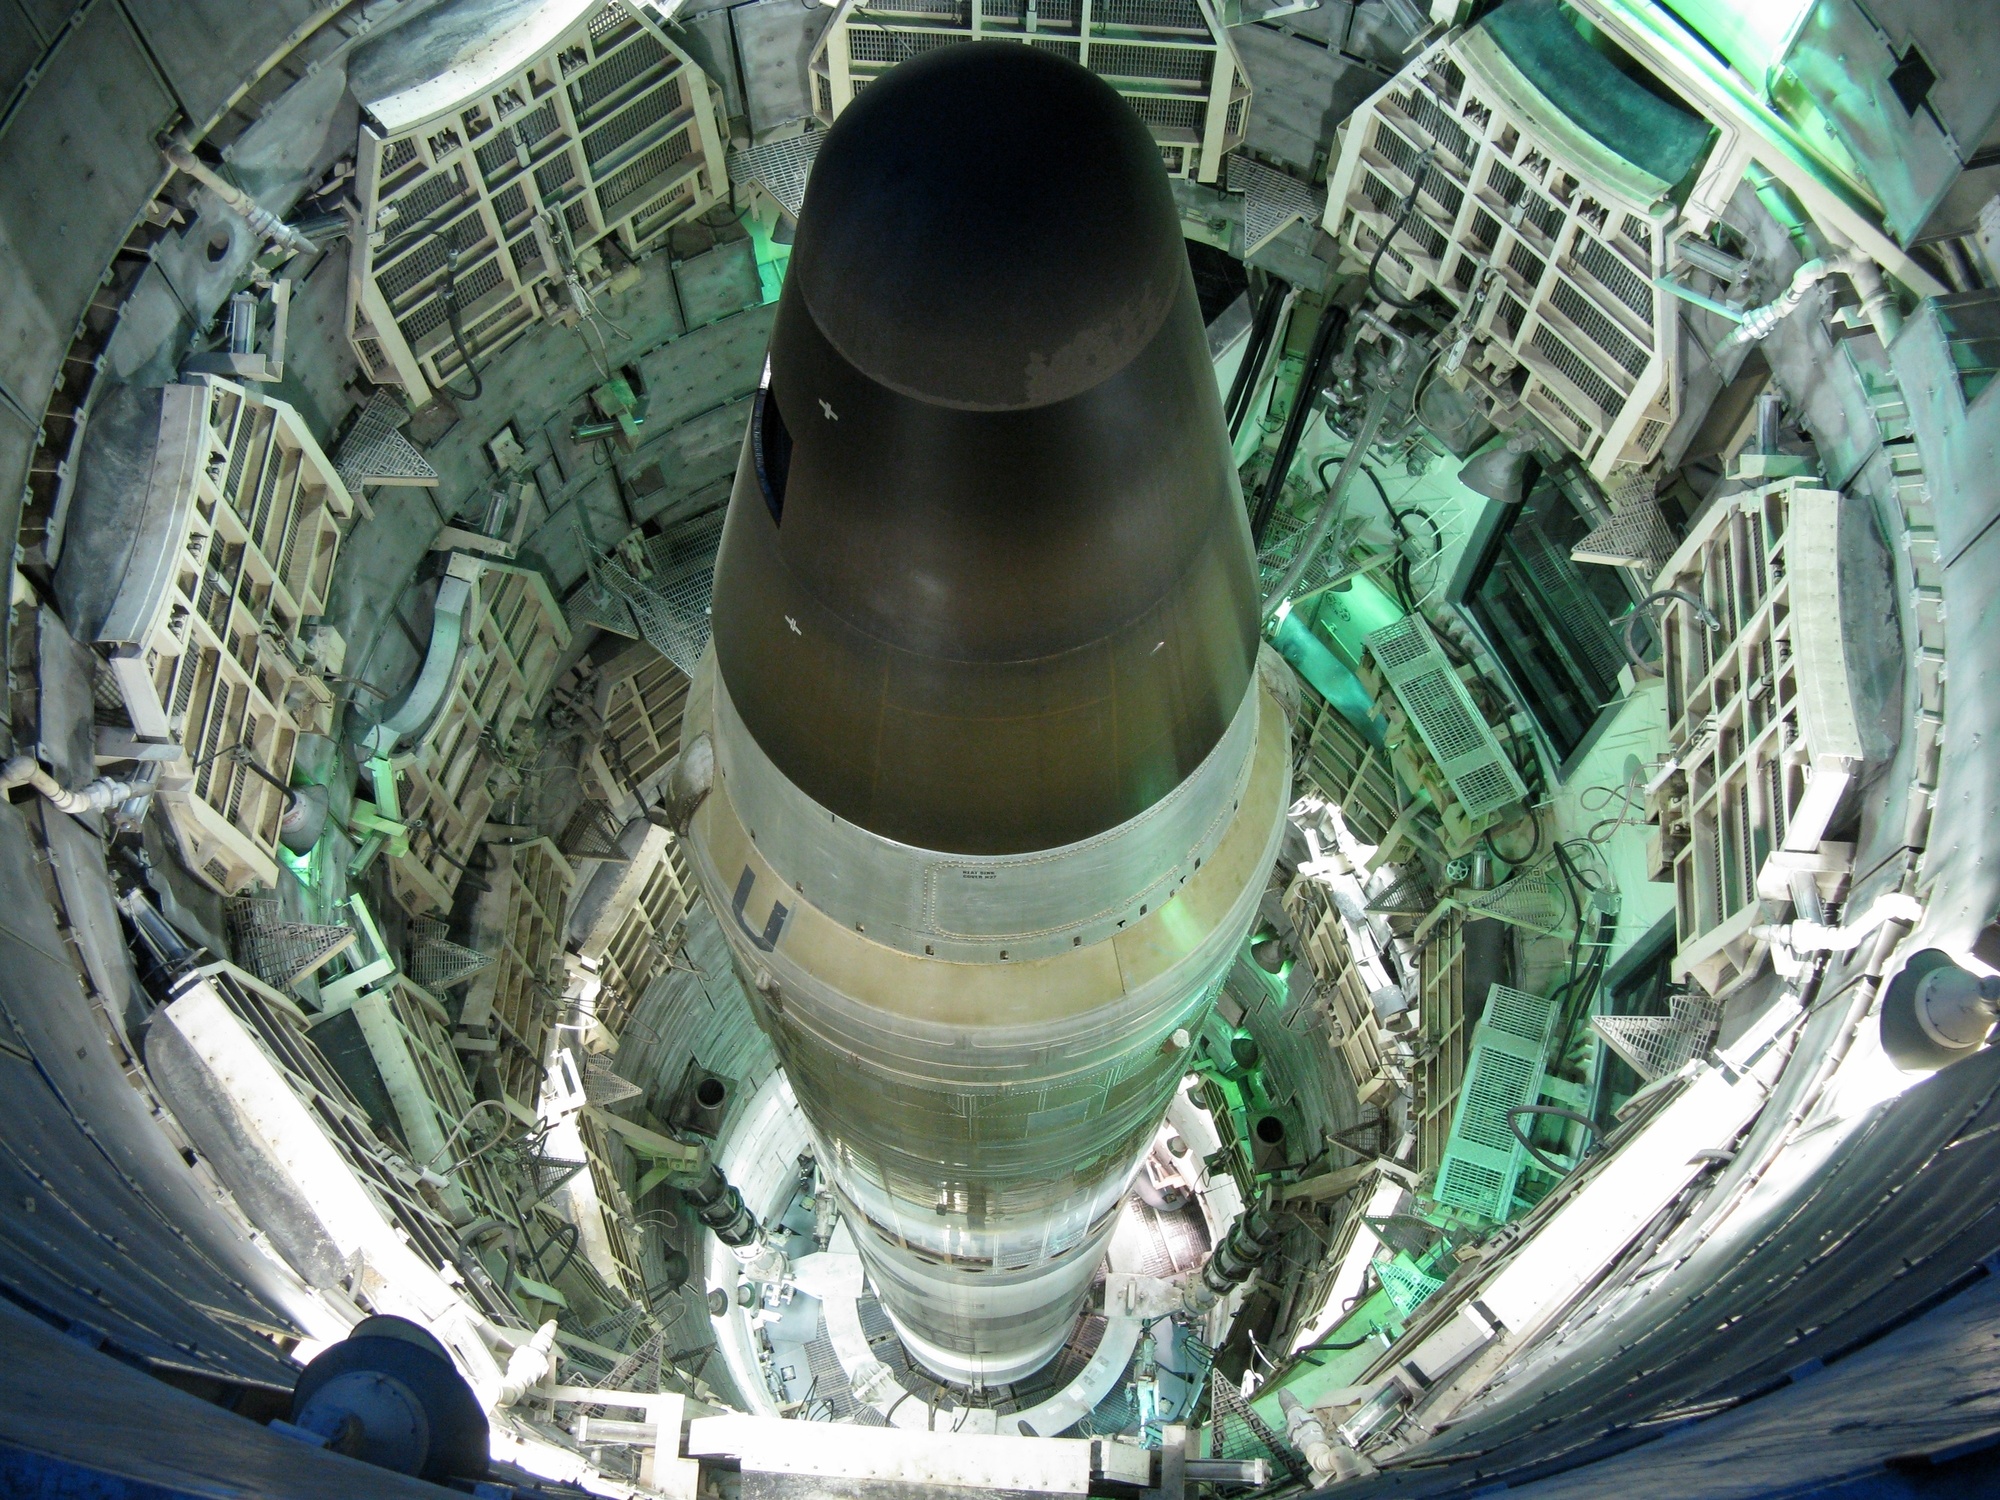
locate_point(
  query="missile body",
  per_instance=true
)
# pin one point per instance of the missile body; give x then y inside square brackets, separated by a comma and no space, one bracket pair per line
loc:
[996,778]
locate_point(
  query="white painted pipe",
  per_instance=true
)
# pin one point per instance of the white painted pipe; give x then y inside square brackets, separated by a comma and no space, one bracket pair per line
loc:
[1816,937]
[100,795]
[1876,302]
[530,1365]
[261,219]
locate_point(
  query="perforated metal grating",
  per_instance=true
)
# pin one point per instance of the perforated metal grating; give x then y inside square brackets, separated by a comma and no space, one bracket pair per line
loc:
[376,452]
[780,168]
[1408,1284]
[1272,201]
[1534,898]
[1281,543]
[601,1084]
[276,950]
[1430,692]
[1483,1157]
[669,609]
[437,963]
[1407,895]
[1636,536]
[1657,1046]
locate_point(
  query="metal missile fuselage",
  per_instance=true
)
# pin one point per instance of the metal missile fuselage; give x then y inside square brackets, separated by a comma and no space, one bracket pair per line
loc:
[997,781]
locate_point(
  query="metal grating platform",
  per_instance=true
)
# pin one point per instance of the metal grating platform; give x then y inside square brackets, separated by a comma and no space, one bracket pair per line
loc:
[592,833]
[1657,1046]
[669,609]
[277,951]
[780,168]
[1328,566]
[1408,895]
[1636,535]
[375,450]
[1236,1431]
[1272,202]
[601,1084]
[1535,899]
[437,963]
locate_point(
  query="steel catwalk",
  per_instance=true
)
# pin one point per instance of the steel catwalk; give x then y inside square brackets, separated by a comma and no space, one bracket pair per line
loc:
[984,765]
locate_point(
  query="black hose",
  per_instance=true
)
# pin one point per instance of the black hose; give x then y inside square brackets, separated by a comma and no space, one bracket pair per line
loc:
[1531,773]
[1512,864]
[1401,571]
[568,1255]
[1402,220]
[455,322]
[1261,331]
[1576,995]
[438,848]
[1372,478]
[1514,1124]
[1307,1354]
[1572,881]
[1327,339]
[1632,616]
[481,1229]
[1437,533]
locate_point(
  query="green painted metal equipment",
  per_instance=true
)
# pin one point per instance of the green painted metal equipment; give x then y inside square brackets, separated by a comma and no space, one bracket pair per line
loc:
[1409,1284]
[1483,1157]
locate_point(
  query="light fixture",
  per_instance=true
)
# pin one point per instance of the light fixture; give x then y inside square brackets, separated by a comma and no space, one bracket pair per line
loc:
[1934,1012]
[1500,472]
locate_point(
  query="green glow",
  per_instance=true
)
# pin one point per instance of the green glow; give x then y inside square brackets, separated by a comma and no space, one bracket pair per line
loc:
[1184,928]
[1276,986]
[1405,1284]
[1753,34]
[1326,673]
[304,867]
[1343,619]
[772,257]
[1331,1367]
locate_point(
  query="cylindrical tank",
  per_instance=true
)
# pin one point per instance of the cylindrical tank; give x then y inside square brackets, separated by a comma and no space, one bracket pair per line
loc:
[989,777]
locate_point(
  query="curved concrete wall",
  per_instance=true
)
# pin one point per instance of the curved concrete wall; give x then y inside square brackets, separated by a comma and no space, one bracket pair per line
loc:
[88,86]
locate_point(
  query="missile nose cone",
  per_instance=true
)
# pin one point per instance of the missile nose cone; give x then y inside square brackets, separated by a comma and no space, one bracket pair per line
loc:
[986,584]
[988,227]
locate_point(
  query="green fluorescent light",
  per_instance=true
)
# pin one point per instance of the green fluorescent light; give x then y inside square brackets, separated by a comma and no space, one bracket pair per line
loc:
[1754,35]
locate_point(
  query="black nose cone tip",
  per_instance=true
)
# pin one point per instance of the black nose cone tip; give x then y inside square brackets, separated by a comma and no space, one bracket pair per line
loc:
[986,585]
[989,227]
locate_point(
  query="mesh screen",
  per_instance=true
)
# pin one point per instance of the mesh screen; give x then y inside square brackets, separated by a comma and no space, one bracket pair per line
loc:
[608,77]
[1599,329]
[1578,371]
[631,122]
[1611,271]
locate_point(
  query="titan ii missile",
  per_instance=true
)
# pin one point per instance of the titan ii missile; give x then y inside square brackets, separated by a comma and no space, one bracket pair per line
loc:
[986,779]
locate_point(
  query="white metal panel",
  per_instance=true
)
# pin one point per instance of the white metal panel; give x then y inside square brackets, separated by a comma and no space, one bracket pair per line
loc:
[768,1445]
